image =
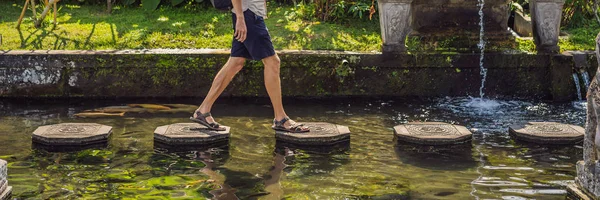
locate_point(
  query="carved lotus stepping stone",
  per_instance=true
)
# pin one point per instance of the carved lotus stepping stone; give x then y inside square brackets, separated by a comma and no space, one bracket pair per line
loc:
[75,134]
[189,134]
[5,190]
[548,133]
[321,133]
[432,133]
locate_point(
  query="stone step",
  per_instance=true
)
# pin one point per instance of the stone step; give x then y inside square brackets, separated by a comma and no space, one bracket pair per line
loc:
[432,133]
[189,134]
[320,133]
[547,133]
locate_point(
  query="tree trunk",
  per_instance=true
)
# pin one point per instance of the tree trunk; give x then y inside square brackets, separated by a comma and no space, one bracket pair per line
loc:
[109,6]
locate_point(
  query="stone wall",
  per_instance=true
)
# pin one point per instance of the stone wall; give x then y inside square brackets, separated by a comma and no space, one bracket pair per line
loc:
[189,73]
[434,15]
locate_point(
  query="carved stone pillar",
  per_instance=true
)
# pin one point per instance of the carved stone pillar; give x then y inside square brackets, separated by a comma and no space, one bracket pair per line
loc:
[5,190]
[395,19]
[546,16]
[588,170]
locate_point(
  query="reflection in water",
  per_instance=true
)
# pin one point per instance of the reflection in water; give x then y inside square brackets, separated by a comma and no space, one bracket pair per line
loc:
[306,161]
[212,156]
[225,191]
[272,184]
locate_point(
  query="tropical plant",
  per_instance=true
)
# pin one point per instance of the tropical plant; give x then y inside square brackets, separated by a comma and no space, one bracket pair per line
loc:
[336,10]
[577,13]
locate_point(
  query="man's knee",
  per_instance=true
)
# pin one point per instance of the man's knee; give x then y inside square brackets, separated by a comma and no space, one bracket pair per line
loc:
[237,63]
[272,62]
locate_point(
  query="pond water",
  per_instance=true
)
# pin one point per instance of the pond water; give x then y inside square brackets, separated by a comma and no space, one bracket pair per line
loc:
[255,166]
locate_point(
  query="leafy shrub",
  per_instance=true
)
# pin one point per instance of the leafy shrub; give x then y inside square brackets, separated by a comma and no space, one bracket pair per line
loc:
[336,10]
[577,13]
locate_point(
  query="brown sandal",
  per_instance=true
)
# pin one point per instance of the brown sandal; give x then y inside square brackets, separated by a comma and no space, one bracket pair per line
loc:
[294,128]
[201,119]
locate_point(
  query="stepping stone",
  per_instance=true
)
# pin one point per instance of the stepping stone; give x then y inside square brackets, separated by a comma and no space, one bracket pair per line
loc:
[75,134]
[432,133]
[281,146]
[223,144]
[320,134]
[189,134]
[69,148]
[548,133]
[5,190]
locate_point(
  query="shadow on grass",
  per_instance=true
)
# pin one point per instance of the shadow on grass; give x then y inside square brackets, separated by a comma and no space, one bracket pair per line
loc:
[89,27]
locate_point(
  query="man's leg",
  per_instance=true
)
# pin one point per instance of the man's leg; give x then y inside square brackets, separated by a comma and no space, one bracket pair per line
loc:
[273,85]
[222,79]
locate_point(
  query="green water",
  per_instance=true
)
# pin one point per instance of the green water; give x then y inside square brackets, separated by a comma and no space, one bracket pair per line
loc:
[255,166]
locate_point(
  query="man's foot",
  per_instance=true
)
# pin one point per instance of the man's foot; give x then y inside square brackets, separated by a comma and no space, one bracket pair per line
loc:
[288,125]
[207,120]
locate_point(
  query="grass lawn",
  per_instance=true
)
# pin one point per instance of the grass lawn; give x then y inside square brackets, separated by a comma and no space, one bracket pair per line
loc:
[89,27]
[84,27]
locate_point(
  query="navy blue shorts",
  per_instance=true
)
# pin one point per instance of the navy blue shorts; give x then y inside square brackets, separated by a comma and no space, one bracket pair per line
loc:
[257,45]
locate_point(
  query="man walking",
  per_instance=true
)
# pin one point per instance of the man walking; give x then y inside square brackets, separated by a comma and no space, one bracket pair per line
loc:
[251,40]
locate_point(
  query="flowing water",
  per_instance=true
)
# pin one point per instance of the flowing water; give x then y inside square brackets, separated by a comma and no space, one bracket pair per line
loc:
[577,86]
[481,46]
[255,166]
[586,80]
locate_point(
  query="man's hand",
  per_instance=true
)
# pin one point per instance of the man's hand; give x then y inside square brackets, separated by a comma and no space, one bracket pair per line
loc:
[240,30]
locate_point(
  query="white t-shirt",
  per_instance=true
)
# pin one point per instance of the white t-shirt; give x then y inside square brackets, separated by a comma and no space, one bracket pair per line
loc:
[258,7]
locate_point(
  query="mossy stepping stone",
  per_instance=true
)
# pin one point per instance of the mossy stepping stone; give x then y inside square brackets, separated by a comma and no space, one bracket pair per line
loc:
[189,134]
[547,133]
[321,133]
[432,133]
[72,134]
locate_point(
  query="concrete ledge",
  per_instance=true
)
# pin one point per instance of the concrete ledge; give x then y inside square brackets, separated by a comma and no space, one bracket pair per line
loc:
[189,73]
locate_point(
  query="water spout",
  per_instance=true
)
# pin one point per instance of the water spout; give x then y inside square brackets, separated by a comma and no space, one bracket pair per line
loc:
[481,46]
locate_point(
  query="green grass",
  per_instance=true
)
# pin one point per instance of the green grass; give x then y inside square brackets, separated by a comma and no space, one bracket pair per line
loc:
[89,27]
[580,38]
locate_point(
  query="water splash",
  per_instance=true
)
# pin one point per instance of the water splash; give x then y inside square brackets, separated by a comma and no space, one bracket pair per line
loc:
[481,46]
[577,87]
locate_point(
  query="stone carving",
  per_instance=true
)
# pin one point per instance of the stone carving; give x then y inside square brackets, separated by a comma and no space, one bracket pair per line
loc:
[546,16]
[3,170]
[432,129]
[588,170]
[395,20]
[5,190]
